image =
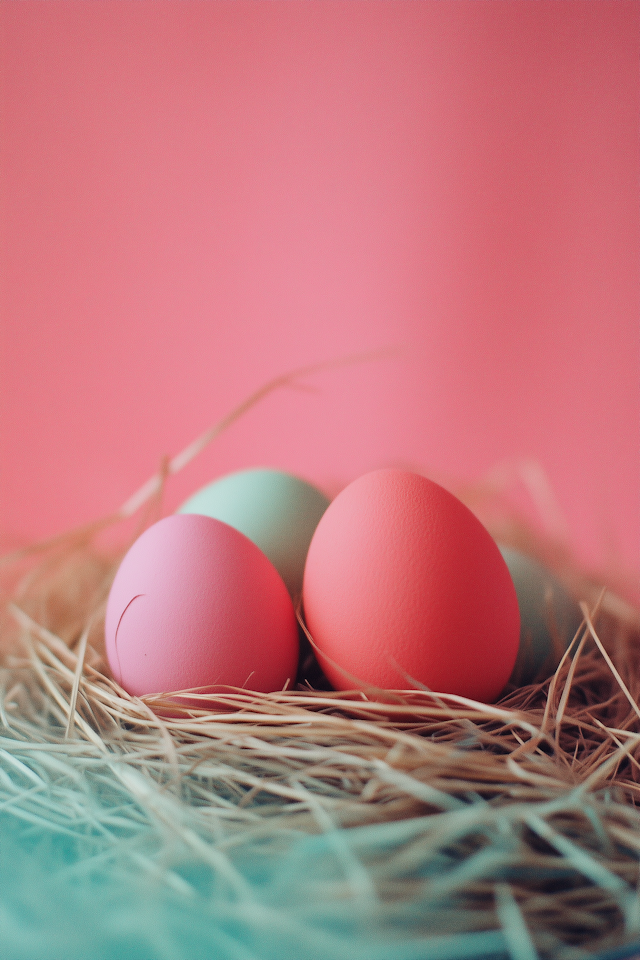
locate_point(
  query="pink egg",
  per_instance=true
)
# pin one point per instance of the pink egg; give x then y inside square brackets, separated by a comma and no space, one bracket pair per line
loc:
[404,587]
[196,604]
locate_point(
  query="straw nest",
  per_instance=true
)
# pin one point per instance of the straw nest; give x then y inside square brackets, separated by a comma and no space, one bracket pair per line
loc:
[410,825]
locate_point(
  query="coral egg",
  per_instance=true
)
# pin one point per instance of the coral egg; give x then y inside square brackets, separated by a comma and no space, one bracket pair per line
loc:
[196,604]
[404,587]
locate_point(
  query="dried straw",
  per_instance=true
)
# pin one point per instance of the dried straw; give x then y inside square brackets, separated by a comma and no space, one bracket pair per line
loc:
[311,823]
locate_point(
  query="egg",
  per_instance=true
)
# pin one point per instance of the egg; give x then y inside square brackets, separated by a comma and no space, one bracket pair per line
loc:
[404,587]
[195,603]
[277,510]
[549,618]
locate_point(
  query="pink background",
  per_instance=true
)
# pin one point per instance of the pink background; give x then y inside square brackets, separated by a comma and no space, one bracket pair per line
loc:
[197,196]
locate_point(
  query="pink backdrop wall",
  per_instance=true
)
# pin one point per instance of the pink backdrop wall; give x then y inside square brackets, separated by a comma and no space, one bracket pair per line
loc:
[197,196]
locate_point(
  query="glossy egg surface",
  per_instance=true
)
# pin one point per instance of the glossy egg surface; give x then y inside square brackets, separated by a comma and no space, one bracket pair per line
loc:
[404,587]
[196,604]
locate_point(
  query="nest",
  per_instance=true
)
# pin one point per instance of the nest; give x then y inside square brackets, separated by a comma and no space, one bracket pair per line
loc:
[308,823]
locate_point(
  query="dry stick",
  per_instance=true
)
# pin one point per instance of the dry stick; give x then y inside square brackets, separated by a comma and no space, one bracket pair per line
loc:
[572,669]
[608,659]
[82,647]
[59,698]
[632,741]
[554,679]
[603,769]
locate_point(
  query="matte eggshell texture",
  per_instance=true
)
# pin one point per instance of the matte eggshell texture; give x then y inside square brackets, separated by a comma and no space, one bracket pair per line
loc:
[549,617]
[276,510]
[404,586]
[195,603]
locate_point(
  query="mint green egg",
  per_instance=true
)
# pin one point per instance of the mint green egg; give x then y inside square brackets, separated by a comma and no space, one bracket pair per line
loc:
[549,618]
[276,510]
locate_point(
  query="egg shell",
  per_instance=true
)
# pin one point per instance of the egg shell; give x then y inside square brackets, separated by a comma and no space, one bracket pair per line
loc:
[404,587]
[549,618]
[277,510]
[196,604]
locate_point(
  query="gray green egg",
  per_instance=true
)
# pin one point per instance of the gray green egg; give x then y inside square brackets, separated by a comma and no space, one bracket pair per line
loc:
[549,618]
[279,512]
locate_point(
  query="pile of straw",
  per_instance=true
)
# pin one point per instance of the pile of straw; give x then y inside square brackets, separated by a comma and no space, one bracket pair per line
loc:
[308,823]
